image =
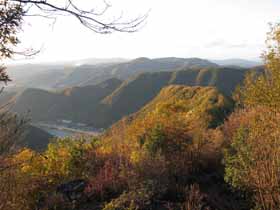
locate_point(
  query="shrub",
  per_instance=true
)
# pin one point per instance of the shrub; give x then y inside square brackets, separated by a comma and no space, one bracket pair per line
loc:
[195,200]
[253,158]
[142,198]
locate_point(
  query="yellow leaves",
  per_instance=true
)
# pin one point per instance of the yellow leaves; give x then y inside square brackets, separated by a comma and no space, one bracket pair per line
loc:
[179,115]
[24,158]
[264,89]
[135,157]
[62,159]
[24,155]
[29,163]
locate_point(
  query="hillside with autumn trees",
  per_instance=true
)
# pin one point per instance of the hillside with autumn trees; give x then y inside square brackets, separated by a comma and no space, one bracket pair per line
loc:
[147,160]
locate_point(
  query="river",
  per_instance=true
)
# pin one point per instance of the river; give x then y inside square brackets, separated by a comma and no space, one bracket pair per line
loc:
[63,131]
[59,133]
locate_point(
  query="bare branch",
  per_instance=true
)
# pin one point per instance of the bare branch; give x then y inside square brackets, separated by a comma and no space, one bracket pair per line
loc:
[89,18]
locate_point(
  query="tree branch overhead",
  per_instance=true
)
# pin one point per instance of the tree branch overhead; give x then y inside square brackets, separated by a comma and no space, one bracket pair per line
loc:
[91,19]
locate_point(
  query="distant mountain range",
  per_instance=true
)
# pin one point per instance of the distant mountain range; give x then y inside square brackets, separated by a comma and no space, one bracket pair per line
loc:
[238,63]
[85,72]
[53,76]
[107,102]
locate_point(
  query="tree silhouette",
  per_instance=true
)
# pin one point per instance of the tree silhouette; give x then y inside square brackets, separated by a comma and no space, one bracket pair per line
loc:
[90,18]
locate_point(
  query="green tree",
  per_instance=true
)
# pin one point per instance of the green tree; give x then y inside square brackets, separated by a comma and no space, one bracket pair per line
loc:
[252,158]
[264,89]
[10,22]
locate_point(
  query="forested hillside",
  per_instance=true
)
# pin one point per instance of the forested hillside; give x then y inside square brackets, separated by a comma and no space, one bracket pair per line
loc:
[146,161]
[77,103]
[107,102]
[136,92]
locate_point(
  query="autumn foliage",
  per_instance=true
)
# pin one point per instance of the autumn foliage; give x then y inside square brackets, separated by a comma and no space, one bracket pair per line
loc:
[188,149]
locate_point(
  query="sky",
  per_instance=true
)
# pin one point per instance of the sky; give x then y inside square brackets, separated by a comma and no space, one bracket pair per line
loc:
[212,29]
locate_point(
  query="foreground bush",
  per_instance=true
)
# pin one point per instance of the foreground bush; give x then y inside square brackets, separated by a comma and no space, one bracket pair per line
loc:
[253,158]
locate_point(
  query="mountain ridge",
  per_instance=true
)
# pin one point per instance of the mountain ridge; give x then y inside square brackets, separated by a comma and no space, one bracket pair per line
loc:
[103,104]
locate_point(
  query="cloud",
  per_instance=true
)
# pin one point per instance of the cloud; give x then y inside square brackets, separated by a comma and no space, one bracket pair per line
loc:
[220,43]
[241,45]
[216,43]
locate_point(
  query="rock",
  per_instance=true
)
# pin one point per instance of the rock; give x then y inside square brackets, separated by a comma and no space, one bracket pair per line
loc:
[73,190]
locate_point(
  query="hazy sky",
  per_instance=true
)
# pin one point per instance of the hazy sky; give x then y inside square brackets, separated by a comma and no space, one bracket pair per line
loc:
[182,28]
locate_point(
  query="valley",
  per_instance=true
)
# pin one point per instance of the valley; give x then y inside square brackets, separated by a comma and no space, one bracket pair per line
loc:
[88,98]
[122,89]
